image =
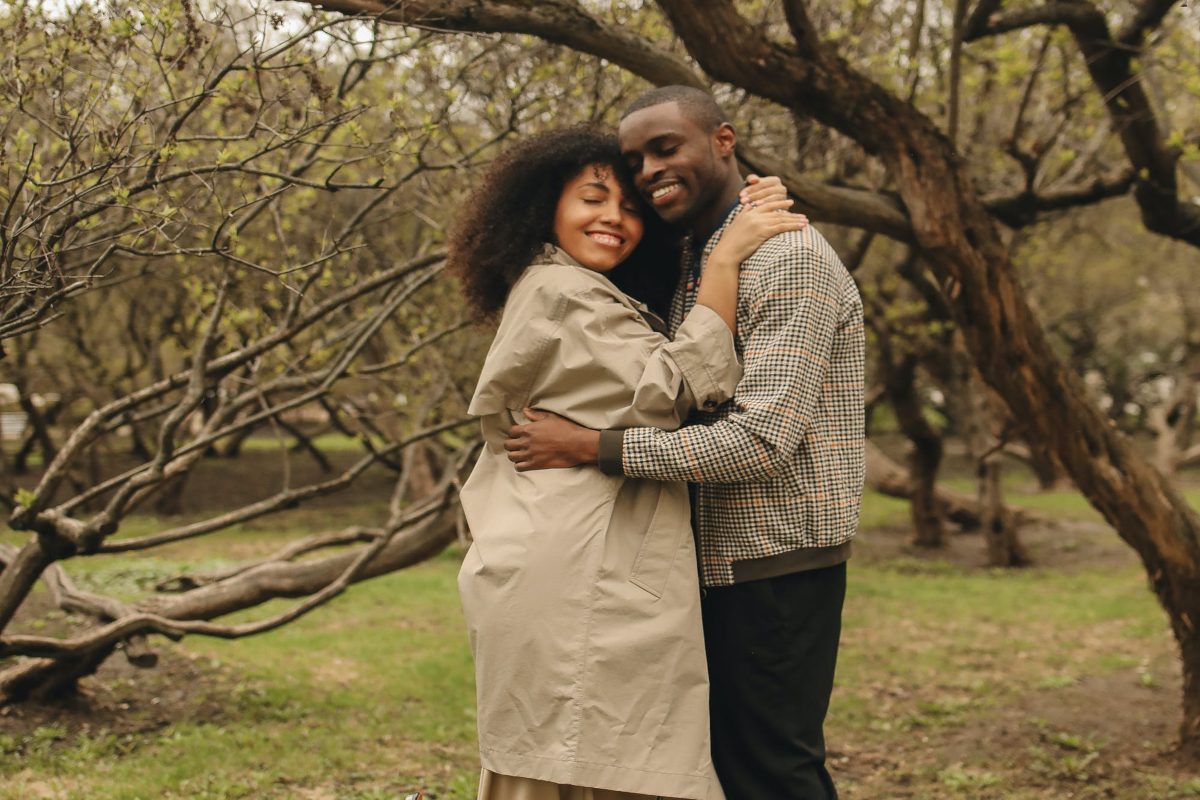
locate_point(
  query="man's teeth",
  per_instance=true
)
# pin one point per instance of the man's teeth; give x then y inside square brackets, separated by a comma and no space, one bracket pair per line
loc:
[664,190]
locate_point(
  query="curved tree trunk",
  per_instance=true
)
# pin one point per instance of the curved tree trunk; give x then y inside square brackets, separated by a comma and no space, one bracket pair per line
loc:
[1004,549]
[43,678]
[889,478]
[1174,424]
[928,516]
[977,417]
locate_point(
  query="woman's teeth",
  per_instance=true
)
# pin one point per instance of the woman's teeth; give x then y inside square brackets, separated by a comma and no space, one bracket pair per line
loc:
[604,238]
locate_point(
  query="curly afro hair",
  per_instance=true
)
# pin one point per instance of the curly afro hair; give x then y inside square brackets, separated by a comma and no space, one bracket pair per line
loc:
[510,216]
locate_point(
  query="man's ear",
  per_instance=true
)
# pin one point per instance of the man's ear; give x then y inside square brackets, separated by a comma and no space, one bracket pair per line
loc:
[724,141]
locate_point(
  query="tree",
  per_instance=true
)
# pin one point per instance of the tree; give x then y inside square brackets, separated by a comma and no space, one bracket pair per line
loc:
[792,62]
[188,229]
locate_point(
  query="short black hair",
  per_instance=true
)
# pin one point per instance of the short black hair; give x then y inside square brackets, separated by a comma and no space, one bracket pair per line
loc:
[697,104]
[510,216]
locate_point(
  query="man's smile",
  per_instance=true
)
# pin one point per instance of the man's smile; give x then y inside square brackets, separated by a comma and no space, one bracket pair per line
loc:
[664,192]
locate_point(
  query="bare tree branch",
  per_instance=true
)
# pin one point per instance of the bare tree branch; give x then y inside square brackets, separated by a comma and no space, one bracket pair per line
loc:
[1110,62]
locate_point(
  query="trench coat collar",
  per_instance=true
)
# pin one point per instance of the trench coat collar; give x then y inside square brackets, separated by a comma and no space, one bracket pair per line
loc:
[553,254]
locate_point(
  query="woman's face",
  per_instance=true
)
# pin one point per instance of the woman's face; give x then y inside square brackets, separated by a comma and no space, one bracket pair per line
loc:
[596,223]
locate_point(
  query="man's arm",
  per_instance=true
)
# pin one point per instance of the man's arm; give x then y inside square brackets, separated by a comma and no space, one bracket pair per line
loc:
[794,318]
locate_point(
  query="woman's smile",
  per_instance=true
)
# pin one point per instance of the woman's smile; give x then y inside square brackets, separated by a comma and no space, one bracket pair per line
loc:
[596,222]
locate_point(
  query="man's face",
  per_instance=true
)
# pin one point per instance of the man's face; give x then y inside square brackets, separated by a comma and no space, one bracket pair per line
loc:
[673,161]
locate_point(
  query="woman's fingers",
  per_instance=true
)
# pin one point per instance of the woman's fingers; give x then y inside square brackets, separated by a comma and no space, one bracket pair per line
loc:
[760,190]
[772,205]
[789,223]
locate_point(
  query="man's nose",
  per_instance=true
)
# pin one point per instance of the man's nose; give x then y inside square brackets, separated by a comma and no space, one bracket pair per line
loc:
[651,169]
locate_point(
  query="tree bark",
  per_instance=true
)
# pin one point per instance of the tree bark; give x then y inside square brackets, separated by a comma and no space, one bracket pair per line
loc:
[1004,549]
[1174,424]
[977,417]
[39,421]
[925,455]
[1044,464]
[169,497]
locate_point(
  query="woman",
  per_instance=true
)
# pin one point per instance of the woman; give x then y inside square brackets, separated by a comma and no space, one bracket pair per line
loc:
[581,592]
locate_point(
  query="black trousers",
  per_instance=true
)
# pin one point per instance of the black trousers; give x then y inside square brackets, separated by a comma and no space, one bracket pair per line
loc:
[772,647]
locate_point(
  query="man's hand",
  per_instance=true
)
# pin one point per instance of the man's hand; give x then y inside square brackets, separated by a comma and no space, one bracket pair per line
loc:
[549,441]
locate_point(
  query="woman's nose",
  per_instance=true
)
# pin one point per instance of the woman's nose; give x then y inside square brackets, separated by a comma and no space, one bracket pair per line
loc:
[611,214]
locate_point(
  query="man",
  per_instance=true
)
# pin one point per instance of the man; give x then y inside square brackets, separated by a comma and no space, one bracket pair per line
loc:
[779,468]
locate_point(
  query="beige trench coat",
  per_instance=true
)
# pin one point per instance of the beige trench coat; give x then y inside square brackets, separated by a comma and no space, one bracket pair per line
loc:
[581,591]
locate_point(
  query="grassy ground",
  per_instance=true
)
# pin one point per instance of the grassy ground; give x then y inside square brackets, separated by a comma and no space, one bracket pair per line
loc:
[955,681]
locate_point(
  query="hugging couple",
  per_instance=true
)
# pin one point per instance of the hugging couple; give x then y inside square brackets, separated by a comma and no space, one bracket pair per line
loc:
[634,638]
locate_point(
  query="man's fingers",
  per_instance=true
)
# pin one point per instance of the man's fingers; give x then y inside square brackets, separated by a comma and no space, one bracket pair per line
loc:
[533,414]
[514,444]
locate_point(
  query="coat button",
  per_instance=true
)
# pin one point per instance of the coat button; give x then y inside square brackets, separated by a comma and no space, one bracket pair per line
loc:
[710,404]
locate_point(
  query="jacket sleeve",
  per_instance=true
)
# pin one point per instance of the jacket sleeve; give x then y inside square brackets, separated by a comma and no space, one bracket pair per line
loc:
[569,346]
[794,318]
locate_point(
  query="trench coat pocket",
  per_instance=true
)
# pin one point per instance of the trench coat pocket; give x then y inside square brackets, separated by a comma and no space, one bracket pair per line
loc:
[668,526]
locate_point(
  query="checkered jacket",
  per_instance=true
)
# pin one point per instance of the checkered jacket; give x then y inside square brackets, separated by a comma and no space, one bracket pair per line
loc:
[780,466]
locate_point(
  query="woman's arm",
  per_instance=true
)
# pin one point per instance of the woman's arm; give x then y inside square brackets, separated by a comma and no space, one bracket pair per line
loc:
[753,226]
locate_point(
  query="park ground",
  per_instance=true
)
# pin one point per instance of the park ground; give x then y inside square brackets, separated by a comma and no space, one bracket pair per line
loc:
[954,681]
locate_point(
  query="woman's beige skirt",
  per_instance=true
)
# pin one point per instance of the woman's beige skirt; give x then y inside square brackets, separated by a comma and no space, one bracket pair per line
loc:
[493,786]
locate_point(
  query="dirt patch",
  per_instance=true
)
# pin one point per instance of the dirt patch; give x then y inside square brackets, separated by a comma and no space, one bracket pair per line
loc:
[1066,546]
[119,699]
[124,701]
[1105,736]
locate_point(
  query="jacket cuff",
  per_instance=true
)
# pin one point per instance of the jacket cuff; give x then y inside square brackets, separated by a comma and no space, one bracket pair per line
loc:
[705,352]
[611,452]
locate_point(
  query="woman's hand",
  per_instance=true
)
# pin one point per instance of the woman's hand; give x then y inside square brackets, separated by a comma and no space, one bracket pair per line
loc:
[762,190]
[751,228]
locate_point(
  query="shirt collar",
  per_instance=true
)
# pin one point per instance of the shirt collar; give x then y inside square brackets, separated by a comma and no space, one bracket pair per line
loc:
[732,207]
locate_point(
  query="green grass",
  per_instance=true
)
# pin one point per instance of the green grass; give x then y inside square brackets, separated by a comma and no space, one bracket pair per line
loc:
[374,691]
[373,694]
[326,443]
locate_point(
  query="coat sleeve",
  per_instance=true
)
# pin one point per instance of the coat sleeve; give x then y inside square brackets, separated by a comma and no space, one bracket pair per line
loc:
[533,315]
[570,346]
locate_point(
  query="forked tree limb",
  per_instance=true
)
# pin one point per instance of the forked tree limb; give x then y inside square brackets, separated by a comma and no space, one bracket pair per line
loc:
[1110,60]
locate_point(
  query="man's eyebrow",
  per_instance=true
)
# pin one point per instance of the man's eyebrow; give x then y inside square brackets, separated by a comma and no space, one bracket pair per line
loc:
[654,142]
